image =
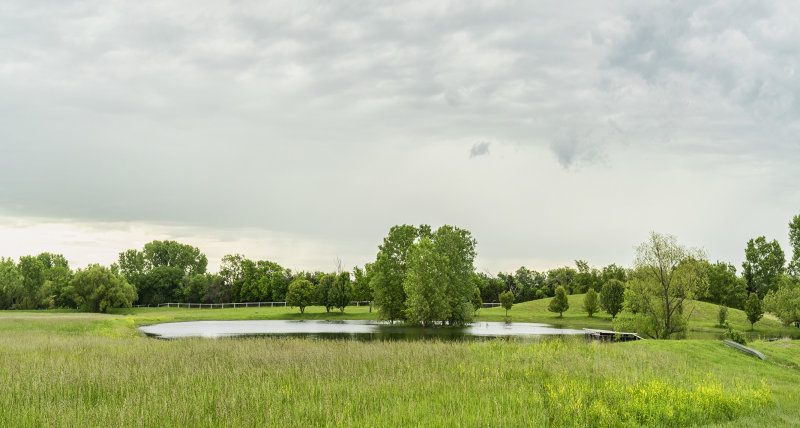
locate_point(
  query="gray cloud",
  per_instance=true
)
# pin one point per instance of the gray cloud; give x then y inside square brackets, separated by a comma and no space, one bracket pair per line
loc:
[480,148]
[337,121]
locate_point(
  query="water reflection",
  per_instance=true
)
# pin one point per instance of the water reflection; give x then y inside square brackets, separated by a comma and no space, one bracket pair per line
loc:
[350,329]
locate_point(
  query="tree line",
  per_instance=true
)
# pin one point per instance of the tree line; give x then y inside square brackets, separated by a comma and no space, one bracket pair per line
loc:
[420,275]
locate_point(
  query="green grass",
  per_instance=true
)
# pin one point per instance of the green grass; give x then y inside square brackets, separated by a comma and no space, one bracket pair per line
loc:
[74,369]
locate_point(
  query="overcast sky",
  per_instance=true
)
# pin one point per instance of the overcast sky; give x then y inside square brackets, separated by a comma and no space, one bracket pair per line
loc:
[301,131]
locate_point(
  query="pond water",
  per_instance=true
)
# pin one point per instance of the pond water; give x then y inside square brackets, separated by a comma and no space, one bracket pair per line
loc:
[350,329]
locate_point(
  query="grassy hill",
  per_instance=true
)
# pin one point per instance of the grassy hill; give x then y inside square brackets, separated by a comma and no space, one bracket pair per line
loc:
[702,322]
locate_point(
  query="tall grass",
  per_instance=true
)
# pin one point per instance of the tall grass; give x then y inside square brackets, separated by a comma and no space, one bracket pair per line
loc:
[93,380]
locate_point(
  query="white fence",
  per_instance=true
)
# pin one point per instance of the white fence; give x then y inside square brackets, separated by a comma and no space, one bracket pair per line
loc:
[232,305]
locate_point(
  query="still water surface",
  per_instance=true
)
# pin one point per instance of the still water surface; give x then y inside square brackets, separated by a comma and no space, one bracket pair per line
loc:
[350,329]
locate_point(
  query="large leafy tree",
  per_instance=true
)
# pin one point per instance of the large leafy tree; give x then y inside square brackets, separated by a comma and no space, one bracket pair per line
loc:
[98,289]
[794,242]
[763,265]
[667,274]
[340,292]
[301,293]
[389,270]
[612,297]
[724,287]
[439,284]
[785,303]
[11,291]
[33,281]
[162,270]
[587,278]
[324,291]
[424,285]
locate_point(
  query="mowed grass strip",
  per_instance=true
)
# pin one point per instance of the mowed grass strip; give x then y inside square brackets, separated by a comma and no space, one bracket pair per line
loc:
[95,380]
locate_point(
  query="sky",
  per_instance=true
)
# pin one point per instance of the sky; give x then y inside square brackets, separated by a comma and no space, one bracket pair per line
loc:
[301,131]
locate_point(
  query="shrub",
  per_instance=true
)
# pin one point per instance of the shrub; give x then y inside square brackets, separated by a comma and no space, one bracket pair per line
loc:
[723,315]
[734,335]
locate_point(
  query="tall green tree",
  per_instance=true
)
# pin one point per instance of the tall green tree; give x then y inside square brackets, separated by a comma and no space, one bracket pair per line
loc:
[785,304]
[97,289]
[361,288]
[667,274]
[586,278]
[763,265]
[33,281]
[339,294]
[439,281]
[794,242]
[427,297]
[324,288]
[301,293]
[11,290]
[162,270]
[560,302]
[753,309]
[612,297]
[724,287]
[590,303]
[389,270]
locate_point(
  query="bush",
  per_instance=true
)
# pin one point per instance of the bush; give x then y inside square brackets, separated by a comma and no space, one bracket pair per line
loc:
[734,335]
[723,315]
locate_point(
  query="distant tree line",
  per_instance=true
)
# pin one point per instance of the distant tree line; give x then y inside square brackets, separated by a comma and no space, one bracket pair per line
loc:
[422,276]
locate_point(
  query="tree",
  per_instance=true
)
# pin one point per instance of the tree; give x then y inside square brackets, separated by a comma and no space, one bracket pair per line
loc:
[324,290]
[587,278]
[162,270]
[477,303]
[33,281]
[507,300]
[390,270]
[560,302]
[722,315]
[438,285]
[724,287]
[794,242]
[361,289]
[666,275]
[11,291]
[612,297]
[785,304]
[753,309]
[763,265]
[590,302]
[563,276]
[301,293]
[97,289]
[427,298]
[339,294]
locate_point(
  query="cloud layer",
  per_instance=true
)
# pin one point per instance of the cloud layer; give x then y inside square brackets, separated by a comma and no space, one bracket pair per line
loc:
[335,121]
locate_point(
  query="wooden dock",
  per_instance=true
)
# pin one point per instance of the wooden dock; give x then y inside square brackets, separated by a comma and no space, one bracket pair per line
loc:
[609,336]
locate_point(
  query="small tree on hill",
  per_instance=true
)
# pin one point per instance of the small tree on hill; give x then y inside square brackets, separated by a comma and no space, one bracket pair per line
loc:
[560,303]
[507,300]
[324,288]
[590,302]
[300,294]
[612,297]
[753,309]
[723,315]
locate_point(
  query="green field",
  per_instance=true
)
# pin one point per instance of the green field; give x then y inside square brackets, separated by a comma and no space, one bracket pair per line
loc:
[75,369]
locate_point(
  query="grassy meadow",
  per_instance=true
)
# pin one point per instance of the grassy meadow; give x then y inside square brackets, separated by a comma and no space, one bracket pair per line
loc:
[74,369]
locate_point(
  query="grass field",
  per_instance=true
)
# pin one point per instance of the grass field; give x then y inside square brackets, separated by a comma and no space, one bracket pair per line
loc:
[74,369]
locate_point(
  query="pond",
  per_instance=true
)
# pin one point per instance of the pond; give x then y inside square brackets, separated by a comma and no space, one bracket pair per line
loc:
[350,329]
